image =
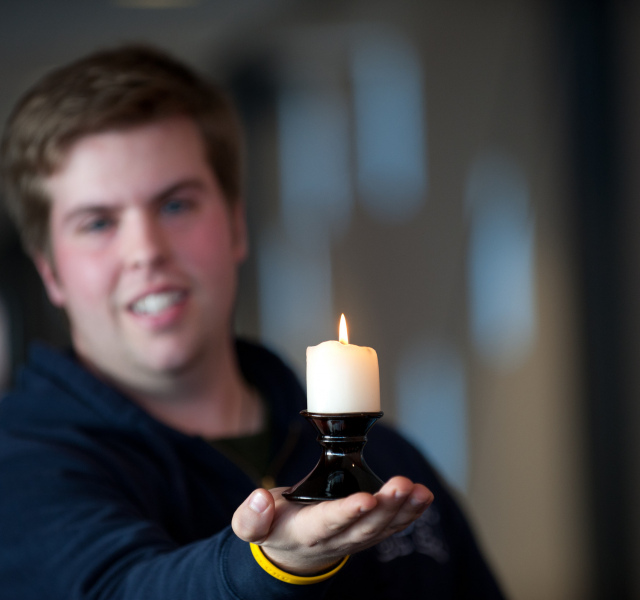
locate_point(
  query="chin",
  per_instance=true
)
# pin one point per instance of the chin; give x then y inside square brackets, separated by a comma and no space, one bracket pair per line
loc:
[171,361]
[172,364]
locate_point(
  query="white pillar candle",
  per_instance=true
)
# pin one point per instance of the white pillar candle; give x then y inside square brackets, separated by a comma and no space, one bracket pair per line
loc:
[341,377]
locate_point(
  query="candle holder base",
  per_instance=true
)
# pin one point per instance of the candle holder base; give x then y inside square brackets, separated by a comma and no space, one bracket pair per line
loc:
[341,470]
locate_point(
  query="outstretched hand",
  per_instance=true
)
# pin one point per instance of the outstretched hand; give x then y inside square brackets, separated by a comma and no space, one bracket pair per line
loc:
[304,539]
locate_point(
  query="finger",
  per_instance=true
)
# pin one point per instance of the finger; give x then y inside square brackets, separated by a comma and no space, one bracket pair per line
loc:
[339,515]
[252,520]
[416,494]
[396,486]
[400,502]
[391,498]
[419,499]
[300,537]
[317,522]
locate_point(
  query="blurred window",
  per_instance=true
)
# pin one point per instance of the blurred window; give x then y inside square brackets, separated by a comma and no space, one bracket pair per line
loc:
[432,407]
[315,183]
[501,260]
[390,141]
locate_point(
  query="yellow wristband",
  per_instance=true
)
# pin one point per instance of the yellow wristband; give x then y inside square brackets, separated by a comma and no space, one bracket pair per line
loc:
[270,568]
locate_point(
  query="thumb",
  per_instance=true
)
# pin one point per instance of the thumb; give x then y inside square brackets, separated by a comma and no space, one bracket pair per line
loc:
[253,518]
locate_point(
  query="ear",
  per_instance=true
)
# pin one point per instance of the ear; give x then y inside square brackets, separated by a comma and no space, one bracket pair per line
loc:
[47,271]
[240,236]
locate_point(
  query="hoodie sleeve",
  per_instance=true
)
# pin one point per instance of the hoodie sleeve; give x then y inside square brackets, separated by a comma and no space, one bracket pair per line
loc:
[67,533]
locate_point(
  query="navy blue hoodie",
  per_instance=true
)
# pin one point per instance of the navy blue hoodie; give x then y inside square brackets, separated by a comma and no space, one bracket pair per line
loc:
[100,500]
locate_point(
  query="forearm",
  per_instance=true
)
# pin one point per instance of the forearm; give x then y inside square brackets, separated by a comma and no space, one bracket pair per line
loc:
[218,569]
[75,536]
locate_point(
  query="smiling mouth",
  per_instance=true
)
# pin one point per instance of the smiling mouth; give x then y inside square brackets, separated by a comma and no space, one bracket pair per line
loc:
[156,303]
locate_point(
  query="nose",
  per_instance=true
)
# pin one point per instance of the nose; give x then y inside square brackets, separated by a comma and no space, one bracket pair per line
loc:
[143,242]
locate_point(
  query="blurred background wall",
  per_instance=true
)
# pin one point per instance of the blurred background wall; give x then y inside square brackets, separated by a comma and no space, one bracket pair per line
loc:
[457,177]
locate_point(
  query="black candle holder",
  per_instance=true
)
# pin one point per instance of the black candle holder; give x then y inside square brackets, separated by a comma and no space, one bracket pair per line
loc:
[341,470]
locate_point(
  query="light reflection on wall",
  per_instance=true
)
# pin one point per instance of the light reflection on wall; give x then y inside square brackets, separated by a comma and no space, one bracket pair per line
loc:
[316,197]
[432,406]
[295,294]
[373,113]
[390,132]
[501,260]
[294,258]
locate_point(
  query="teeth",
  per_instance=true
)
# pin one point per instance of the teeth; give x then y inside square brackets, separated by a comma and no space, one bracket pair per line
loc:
[155,303]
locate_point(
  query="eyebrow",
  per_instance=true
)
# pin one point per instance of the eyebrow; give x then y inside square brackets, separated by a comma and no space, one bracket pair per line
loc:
[183,184]
[97,207]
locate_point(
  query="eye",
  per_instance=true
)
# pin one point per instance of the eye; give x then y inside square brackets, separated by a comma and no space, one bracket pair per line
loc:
[176,206]
[97,224]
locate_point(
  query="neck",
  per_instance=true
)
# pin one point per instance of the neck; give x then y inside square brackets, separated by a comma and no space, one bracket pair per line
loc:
[233,409]
[211,400]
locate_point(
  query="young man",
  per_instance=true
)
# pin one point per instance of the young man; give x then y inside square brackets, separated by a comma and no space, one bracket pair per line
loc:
[128,464]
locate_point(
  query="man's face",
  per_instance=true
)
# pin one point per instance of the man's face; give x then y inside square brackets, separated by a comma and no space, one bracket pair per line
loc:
[144,252]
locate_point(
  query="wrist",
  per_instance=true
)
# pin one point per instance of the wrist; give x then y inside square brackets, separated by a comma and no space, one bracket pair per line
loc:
[288,577]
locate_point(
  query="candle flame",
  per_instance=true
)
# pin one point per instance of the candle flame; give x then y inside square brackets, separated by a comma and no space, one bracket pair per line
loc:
[343,336]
